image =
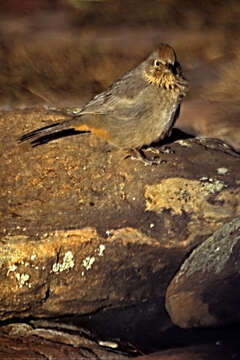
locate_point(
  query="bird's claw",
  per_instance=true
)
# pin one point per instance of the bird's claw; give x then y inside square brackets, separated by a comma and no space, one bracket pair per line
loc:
[139,155]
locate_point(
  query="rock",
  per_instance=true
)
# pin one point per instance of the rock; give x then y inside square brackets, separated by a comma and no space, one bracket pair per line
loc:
[203,292]
[78,272]
[22,341]
[200,352]
[46,339]
[85,230]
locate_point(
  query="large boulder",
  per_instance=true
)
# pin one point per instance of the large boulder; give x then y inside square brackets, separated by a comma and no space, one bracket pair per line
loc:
[85,230]
[203,292]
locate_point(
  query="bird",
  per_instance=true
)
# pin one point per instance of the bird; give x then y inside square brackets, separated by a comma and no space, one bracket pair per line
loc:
[137,110]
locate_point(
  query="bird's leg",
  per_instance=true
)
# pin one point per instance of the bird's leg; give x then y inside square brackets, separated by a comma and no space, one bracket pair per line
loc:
[138,154]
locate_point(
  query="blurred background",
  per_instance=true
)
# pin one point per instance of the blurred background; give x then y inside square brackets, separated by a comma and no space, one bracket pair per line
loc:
[62,52]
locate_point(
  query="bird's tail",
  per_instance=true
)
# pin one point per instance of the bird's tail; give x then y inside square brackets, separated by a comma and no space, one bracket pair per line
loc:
[50,132]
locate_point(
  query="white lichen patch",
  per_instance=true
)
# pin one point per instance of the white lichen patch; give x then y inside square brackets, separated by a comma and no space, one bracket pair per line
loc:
[212,186]
[11,268]
[88,262]
[101,249]
[66,264]
[33,256]
[109,232]
[22,279]
[180,195]
[222,171]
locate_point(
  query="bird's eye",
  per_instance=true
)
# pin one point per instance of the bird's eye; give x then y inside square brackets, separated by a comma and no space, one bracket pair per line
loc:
[157,63]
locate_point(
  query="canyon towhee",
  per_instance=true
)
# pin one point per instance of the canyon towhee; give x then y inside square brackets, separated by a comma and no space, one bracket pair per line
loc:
[138,109]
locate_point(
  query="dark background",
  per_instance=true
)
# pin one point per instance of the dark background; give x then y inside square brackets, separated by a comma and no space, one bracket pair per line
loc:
[63,52]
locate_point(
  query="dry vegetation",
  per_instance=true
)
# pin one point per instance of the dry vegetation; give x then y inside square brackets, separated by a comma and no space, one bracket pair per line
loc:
[64,52]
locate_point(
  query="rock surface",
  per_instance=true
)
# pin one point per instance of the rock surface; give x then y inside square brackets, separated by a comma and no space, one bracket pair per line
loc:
[203,352]
[84,230]
[203,292]
[23,341]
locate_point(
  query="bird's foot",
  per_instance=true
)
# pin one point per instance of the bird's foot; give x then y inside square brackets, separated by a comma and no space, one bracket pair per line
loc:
[139,155]
[158,151]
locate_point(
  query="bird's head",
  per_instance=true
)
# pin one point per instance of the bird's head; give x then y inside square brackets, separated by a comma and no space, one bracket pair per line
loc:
[162,69]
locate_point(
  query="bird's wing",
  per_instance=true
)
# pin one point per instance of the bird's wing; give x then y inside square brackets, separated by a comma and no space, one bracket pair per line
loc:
[122,94]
